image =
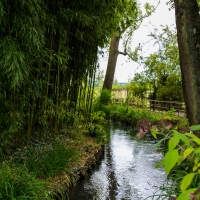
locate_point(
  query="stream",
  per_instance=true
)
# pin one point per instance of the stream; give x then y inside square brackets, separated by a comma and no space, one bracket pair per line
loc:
[126,172]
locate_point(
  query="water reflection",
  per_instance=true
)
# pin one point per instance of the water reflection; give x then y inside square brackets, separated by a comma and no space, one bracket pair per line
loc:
[127,171]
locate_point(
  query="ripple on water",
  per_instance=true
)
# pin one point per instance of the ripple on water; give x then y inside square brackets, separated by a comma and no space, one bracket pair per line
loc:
[127,171]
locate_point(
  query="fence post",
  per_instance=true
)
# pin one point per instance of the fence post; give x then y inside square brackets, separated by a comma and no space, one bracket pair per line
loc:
[153,105]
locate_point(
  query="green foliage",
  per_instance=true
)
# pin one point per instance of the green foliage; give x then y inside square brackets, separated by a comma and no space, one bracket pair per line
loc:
[181,161]
[169,92]
[161,69]
[47,161]
[98,117]
[171,158]
[103,100]
[48,54]
[97,131]
[128,115]
[105,97]
[95,127]
[16,183]
[138,86]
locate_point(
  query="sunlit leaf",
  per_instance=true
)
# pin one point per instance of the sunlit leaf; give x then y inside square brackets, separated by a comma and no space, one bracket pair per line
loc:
[182,137]
[180,159]
[186,181]
[173,142]
[197,150]
[187,152]
[171,158]
[159,143]
[194,137]
[196,166]
[195,127]
[186,194]
[154,132]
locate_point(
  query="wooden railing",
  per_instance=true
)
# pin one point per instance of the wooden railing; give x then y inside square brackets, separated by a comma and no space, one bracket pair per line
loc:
[154,105]
[177,106]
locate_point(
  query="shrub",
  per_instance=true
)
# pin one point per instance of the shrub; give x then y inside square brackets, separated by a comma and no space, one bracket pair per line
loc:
[105,97]
[103,100]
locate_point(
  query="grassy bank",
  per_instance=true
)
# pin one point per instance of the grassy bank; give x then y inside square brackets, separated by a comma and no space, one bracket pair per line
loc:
[46,170]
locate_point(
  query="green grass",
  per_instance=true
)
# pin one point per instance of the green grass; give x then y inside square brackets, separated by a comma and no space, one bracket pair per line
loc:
[47,161]
[21,178]
[17,183]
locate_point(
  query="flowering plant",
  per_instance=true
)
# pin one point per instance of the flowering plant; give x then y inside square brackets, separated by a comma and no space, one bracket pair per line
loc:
[145,125]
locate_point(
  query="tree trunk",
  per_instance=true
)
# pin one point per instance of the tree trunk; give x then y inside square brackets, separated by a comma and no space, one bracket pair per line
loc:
[188,33]
[112,60]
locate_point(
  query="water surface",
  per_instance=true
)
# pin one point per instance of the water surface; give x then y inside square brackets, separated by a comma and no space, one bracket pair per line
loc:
[127,171]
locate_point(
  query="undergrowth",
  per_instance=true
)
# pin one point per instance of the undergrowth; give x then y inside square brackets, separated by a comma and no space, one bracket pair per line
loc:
[47,161]
[131,115]
[16,183]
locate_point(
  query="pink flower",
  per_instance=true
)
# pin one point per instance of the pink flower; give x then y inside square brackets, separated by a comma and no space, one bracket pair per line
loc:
[142,133]
[169,126]
[146,130]
[154,127]
[192,196]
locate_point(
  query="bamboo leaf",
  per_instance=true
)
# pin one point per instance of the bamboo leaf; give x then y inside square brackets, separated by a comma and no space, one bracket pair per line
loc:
[173,142]
[171,158]
[186,181]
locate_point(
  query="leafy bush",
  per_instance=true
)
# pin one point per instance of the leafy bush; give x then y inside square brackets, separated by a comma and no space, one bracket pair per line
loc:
[118,113]
[103,100]
[97,131]
[105,97]
[130,115]
[182,161]
[98,117]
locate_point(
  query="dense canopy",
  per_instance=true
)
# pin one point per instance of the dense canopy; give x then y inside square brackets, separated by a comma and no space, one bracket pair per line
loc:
[48,59]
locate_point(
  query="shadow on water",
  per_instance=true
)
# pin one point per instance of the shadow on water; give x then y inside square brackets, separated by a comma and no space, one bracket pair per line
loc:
[126,172]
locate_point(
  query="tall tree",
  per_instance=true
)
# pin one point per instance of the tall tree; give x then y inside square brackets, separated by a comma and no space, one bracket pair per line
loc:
[112,60]
[129,22]
[188,33]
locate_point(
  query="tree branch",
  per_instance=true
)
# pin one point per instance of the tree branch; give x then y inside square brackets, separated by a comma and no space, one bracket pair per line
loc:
[123,53]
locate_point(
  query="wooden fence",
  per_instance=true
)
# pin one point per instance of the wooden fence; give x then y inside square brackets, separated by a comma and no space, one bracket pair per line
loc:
[154,105]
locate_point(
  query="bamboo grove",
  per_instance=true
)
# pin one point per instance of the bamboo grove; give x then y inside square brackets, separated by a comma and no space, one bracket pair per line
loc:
[48,60]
